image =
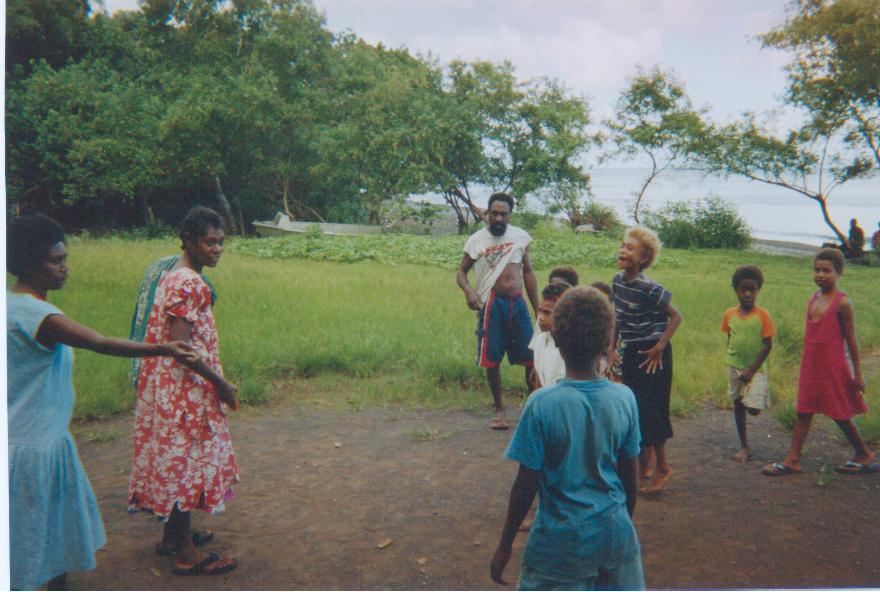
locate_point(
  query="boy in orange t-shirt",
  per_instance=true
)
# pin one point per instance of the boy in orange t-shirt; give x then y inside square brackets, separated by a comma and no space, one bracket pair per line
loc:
[750,334]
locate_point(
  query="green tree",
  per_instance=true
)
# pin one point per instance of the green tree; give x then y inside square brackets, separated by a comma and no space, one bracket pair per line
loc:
[805,161]
[51,30]
[654,118]
[834,79]
[81,138]
[378,145]
[525,138]
[835,72]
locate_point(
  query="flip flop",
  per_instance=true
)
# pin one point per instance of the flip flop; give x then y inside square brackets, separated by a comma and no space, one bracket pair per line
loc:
[199,538]
[852,467]
[499,424]
[201,568]
[778,469]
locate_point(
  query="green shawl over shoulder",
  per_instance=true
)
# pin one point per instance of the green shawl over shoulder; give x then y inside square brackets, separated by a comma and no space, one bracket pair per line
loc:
[144,304]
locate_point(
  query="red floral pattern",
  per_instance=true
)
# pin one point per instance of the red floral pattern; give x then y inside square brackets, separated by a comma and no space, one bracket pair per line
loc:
[182,449]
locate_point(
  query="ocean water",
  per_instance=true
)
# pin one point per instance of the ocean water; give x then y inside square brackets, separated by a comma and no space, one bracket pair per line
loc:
[773,213]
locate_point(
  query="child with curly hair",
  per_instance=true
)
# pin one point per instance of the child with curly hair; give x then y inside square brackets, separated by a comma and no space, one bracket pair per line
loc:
[646,321]
[750,334]
[577,443]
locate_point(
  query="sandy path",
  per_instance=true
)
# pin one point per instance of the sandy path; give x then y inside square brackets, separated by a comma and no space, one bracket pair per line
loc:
[309,515]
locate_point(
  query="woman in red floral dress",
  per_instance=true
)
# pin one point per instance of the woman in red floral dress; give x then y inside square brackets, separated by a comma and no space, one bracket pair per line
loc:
[183,457]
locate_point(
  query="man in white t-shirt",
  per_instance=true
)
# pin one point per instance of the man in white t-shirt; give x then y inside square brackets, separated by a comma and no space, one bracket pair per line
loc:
[499,254]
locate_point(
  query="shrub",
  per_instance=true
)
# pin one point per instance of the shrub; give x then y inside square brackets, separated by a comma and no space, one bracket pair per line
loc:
[600,216]
[526,220]
[710,223]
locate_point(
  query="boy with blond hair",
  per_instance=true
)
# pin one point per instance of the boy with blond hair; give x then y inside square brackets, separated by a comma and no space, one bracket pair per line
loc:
[646,321]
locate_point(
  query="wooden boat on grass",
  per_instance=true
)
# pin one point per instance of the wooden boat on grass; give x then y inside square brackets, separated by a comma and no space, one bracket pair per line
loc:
[282,225]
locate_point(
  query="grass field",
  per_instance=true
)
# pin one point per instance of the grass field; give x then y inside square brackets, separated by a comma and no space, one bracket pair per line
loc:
[380,320]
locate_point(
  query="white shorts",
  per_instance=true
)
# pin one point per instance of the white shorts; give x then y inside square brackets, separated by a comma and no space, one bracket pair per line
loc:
[755,394]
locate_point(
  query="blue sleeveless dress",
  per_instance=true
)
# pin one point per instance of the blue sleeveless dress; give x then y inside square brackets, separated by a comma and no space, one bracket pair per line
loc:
[54,522]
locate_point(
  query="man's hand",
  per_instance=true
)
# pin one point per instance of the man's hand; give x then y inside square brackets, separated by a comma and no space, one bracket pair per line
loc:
[499,561]
[473,299]
[746,376]
[654,358]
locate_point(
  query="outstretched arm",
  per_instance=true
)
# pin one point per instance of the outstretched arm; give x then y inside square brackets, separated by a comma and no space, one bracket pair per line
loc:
[847,319]
[182,329]
[471,296]
[521,496]
[530,281]
[58,328]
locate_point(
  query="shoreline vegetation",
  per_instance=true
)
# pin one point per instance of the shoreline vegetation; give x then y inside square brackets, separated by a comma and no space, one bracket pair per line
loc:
[383,316]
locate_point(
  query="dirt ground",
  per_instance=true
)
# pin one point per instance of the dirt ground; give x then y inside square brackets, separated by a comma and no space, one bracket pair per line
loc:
[321,490]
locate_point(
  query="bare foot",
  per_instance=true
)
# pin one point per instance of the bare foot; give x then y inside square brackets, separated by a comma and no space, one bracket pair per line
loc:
[525,525]
[864,459]
[658,482]
[742,455]
[498,422]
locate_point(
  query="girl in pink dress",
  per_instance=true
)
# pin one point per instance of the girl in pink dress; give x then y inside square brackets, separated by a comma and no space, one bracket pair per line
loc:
[827,385]
[183,458]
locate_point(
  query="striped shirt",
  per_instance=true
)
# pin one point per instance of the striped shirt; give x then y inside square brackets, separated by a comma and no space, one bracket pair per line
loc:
[640,308]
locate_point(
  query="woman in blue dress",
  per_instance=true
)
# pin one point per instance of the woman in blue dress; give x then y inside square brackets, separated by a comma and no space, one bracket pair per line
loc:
[54,522]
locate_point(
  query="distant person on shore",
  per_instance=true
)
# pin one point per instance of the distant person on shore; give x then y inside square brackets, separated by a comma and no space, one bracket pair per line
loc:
[750,334]
[499,254]
[856,239]
[576,444]
[54,521]
[875,240]
[183,458]
[646,322]
[827,385]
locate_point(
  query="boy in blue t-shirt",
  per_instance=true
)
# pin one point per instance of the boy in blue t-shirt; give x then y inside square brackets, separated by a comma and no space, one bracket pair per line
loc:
[577,443]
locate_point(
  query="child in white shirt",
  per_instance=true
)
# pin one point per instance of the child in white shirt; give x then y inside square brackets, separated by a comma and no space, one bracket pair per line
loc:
[549,365]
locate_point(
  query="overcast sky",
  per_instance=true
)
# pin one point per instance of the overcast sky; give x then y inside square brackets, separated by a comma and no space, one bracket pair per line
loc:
[592,46]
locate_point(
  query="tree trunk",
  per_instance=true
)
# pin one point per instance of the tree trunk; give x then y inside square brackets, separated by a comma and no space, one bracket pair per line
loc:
[459,214]
[284,200]
[224,206]
[824,206]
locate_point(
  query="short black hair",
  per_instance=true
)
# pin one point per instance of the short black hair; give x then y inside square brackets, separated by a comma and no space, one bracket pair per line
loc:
[500,196]
[555,289]
[602,287]
[833,255]
[582,325]
[566,272]
[197,222]
[747,272]
[28,239]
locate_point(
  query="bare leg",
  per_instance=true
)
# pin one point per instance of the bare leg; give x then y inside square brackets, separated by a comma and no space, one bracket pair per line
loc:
[530,383]
[494,377]
[739,414]
[662,472]
[179,526]
[798,438]
[863,454]
[646,462]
